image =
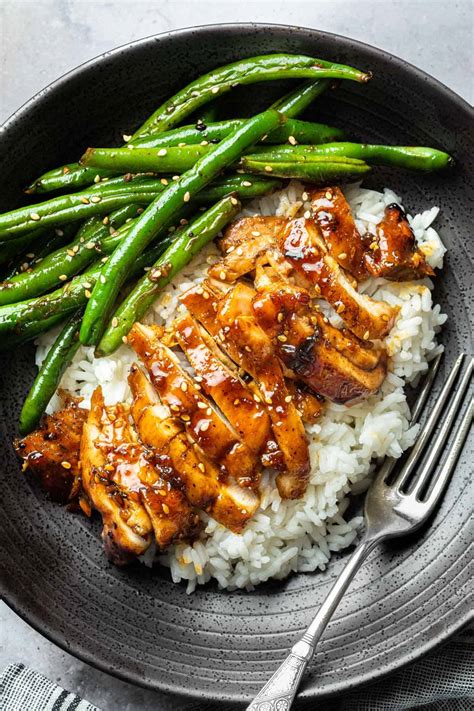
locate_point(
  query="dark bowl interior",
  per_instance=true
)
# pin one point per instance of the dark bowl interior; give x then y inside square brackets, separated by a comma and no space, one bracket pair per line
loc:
[134,622]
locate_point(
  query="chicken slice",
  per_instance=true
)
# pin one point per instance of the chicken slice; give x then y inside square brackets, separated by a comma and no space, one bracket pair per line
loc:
[243,241]
[393,253]
[332,362]
[188,469]
[51,452]
[302,248]
[333,216]
[126,484]
[257,357]
[221,382]
[310,405]
[216,437]
[127,530]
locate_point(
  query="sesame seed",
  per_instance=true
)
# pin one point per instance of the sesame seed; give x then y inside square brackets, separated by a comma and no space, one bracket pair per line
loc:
[184,386]
[385,317]
[305,196]
[162,492]
[59,232]
[366,335]
[114,322]
[282,338]
[34,216]
[97,179]
[87,285]
[234,201]
[30,255]
[340,308]
[307,215]
[208,411]
[268,168]
[175,408]
[198,378]
[288,398]
[66,465]
[256,233]
[230,249]
[104,259]
[175,177]
[202,467]
[85,200]
[187,196]
[90,245]
[202,405]
[280,317]
[373,246]
[292,140]
[239,251]
[236,401]
[96,198]
[102,279]
[195,93]
[163,181]
[215,89]
[256,398]
[166,508]
[87,294]
[106,220]
[70,253]
[222,275]
[181,145]
[247,184]
[205,426]
[328,195]
[124,339]
[343,255]
[162,152]
[126,137]
[204,143]
[62,277]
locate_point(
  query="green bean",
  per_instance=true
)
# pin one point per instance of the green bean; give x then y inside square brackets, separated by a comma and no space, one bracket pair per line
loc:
[297,100]
[163,160]
[66,261]
[245,71]
[57,360]
[12,248]
[410,157]
[68,176]
[320,169]
[160,214]
[32,254]
[186,244]
[16,319]
[28,331]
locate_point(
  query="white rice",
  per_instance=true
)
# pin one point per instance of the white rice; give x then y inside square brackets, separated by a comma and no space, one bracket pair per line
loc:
[286,536]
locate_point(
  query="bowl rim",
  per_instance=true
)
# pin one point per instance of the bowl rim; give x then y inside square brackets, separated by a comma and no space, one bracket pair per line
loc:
[58,638]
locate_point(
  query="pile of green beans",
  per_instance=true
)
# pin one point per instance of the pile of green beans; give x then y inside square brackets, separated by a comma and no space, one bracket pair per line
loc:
[144,210]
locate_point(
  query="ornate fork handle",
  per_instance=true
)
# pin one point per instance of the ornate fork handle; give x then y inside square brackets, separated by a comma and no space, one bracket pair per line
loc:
[279,692]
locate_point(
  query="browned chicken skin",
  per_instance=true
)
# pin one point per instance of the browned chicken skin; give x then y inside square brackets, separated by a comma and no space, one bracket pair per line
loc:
[393,253]
[189,470]
[218,440]
[51,452]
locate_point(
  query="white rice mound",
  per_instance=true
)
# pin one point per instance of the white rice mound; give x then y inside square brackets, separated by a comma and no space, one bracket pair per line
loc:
[286,536]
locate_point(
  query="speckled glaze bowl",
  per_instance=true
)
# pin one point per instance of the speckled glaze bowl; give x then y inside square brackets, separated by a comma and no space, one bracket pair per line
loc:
[134,622]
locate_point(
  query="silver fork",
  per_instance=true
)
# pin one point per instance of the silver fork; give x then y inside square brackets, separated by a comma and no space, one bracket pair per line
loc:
[392,509]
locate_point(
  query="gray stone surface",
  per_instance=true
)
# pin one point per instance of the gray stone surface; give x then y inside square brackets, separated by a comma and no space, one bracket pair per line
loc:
[42,40]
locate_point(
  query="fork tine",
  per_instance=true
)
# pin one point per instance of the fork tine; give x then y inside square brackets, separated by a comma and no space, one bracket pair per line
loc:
[426,469]
[444,473]
[387,467]
[426,431]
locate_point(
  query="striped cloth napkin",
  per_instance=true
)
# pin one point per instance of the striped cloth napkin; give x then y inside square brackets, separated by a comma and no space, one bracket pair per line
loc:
[442,681]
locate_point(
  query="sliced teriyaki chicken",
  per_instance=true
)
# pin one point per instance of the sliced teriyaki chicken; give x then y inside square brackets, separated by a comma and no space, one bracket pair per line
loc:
[250,347]
[393,253]
[218,440]
[333,216]
[51,452]
[243,241]
[188,468]
[304,251]
[222,382]
[310,405]
[127,488]
[332,362]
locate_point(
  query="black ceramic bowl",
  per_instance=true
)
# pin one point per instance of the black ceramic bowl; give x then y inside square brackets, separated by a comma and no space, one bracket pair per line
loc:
[134,622]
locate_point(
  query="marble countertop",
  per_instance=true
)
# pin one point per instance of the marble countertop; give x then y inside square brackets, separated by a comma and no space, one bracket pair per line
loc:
[42,40]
